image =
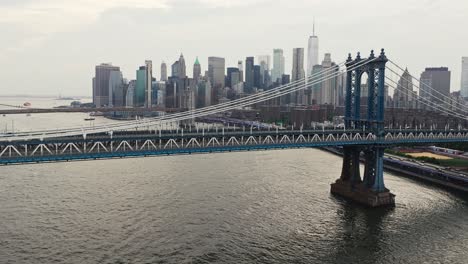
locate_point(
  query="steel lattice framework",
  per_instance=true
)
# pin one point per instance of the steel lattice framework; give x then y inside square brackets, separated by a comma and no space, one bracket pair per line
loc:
[108,146]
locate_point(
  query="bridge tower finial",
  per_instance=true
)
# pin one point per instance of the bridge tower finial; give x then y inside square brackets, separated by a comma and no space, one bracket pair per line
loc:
[358,57]
[372,54]
[382,52]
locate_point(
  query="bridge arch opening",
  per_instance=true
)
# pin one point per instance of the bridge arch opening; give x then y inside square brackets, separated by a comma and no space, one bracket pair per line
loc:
[364,93]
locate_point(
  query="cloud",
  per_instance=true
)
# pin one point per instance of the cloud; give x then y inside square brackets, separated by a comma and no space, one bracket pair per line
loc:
[49,16]
[39,19]
[35,21]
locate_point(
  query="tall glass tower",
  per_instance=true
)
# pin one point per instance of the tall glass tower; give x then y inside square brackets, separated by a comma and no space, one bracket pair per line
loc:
[278,65]
[464,78]
[312,52]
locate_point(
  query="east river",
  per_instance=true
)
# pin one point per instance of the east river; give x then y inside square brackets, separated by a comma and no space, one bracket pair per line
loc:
[246,207]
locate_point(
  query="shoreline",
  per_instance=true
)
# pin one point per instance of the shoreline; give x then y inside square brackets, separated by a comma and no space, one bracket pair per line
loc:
[424,173]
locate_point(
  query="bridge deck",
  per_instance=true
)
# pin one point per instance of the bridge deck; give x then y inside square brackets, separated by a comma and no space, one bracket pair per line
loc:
[131,145]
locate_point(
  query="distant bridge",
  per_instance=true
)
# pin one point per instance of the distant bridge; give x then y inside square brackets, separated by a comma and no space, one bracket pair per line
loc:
[24,110]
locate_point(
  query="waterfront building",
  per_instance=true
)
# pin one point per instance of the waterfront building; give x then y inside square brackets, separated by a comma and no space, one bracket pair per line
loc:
[278,65]
[435,85]
[464,78]
[101,84]
[249,75]
[163,71]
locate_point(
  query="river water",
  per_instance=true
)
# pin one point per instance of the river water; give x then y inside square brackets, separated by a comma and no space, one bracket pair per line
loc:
[249,207]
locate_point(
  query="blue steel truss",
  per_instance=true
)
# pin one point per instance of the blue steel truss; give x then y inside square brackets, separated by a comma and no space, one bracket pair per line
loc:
[152,145]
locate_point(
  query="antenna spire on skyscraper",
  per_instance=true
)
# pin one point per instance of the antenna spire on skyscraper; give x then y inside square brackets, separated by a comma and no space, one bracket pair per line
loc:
[313,28]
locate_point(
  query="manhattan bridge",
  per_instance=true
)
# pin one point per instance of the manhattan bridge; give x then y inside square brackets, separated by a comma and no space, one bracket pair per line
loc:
[363,138]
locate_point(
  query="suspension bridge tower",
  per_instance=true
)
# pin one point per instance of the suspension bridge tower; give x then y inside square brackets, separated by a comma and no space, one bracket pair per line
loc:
[369,189]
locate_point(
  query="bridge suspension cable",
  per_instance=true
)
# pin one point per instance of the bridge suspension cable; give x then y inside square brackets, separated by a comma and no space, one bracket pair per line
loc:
[203,112]
[463,107]
[423,100]
[272,93]
[277,90]
[419,97]
[263,98]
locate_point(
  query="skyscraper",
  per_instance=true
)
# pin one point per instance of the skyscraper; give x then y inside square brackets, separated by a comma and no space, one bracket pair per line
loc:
[182,67]
[464,78]
[241,70]
[312,52]
[101,84]
[258,80]
[435,85]
[230,72]
[175,69]
[404,96]
[116,89]
[130,95]
[163,72]
[148,83]
[298,74]
[330,86]
[298,64]
[264,61]
[278,65]
[249,75]
[196,70]
[216,69]
[140,87]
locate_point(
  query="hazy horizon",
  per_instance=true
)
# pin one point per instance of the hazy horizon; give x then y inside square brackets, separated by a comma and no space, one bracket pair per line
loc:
[51,47]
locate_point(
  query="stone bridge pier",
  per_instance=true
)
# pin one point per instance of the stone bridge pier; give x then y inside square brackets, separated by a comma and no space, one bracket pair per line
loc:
[370,189]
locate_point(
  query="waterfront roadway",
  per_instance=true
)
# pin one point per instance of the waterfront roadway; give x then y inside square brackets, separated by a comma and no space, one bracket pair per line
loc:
[446,170]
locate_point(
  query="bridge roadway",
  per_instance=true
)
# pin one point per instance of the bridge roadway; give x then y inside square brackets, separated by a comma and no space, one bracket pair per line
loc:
[86,110]
[154,143]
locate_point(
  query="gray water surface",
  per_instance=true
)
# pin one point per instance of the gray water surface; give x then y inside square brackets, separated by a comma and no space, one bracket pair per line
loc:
[249,207]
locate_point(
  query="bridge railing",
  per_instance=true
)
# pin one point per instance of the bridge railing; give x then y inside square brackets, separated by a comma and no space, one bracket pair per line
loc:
[140,145]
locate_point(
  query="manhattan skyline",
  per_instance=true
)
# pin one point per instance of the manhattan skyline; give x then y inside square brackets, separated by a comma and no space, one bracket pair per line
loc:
[126,33]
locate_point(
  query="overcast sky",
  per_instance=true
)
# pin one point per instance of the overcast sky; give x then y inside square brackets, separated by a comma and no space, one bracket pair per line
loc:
[51,46]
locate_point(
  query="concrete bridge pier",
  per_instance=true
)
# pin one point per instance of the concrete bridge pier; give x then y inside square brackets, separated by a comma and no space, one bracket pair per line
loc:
[370,190]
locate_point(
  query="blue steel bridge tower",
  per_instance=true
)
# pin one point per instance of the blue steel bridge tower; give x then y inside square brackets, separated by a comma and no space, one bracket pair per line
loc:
[370,189]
